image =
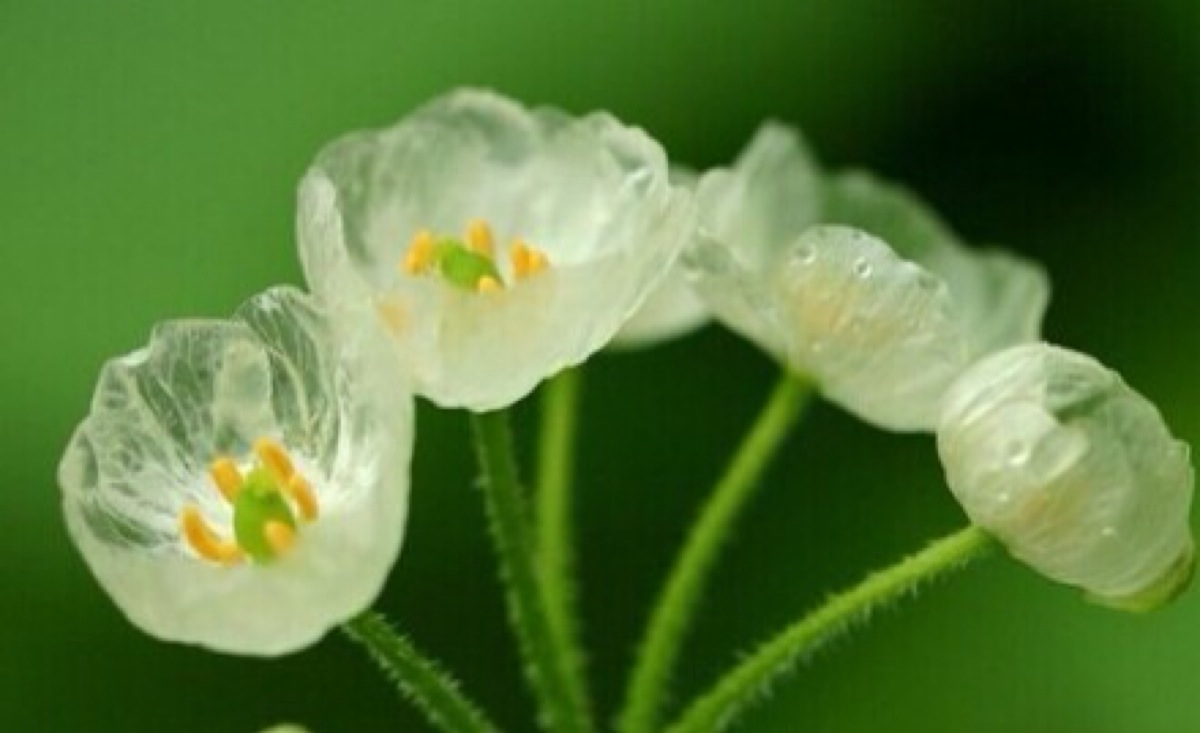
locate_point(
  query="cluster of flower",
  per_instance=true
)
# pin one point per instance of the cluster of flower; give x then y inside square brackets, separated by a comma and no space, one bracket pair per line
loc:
[242,484]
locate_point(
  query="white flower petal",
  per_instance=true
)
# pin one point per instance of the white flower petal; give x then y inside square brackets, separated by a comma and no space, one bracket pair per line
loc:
[1073,471]
[204,389]
[590,193]
[672,310]
[748,216]
[878,333]
[774,196]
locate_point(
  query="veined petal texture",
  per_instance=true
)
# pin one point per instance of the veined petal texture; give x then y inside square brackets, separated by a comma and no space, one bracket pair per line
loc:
[150,519]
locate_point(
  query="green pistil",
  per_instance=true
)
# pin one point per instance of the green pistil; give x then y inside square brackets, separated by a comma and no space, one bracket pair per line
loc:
[260,501]
[463,267]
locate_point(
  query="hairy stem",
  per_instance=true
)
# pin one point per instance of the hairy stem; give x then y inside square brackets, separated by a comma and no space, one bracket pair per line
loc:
[676,605]
[562,700]
[744,684]
[554,549]
[420,680]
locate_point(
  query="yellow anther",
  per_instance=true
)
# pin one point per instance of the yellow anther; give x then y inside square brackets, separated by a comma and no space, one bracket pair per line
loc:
[276,460]
[279,536]
[518,254]
[301,492]
[204,541]
[537,261]
[226,476]
[487,284]
[526,260]
[479,237]
[420,253]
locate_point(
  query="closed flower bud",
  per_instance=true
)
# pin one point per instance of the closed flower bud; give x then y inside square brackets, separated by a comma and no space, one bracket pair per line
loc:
[1073,471]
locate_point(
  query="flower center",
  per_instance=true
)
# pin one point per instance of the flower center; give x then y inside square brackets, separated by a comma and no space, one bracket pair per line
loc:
[469,263]
[265,503]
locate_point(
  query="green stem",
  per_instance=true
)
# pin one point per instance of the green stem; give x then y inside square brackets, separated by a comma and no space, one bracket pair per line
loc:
[420,680]
[562,701]
[676,605]
[717,708]
[555,556]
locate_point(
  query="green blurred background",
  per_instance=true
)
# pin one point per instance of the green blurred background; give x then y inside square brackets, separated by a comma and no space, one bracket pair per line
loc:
[148,157]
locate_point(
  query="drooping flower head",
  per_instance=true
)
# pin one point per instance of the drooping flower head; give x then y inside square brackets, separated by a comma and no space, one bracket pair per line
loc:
[493,244]
[1073,471]
[242,484]
[879,303]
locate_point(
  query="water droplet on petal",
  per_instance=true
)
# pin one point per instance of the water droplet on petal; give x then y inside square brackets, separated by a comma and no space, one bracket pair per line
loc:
[862,268]
[1016,453]
[805,254]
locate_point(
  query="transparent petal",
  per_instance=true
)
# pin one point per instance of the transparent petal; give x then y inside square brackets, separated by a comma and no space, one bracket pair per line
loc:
[590,193]
[1076,473]
[674,309]
[671,311]
[203,389]
[878,333]
[774,195]
[748,216]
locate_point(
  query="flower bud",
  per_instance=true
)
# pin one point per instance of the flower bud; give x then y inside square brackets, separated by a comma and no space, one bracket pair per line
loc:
[1073,471]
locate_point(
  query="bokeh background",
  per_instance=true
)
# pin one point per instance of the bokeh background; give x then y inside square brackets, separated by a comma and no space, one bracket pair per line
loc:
[148,157]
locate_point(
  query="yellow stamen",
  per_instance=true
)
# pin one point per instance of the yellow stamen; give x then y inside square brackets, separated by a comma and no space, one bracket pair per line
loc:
[526,260]
[487,284]
[301,492]
[226,476]
[204,541]
[537,261]
[479,237]
[420,253]
[519,253]
[276,460]
[279,536]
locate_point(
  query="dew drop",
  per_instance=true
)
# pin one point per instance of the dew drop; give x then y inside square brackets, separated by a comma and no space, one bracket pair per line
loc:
[805,254]
[862,268]
[1016,453]
[927,282]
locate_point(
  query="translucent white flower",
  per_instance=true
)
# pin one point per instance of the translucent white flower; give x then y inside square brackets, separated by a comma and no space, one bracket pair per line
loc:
[1073,471]
[495,245]
[242,484]
[883,315]
[673,309]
